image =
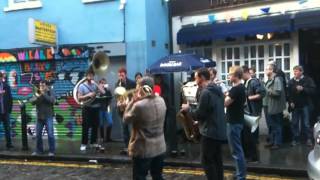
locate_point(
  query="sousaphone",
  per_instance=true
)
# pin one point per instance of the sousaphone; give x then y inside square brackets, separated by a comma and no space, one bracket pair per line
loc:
[99,65]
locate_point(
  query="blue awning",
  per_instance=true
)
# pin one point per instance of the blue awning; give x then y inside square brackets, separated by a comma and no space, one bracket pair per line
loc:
[276,23]
[307,19]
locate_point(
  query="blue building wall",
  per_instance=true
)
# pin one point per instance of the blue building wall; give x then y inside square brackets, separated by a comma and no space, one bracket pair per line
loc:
[158,30]
[141,29]
[77,22]
[140,23]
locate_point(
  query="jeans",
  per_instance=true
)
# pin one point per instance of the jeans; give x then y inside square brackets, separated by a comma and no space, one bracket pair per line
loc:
[141,166]
[39,131]
[211,158]
[90,119]
[105,119]
[5,118]
[303,115]
[234,141]
[268,121]
[276,128]
[125,131]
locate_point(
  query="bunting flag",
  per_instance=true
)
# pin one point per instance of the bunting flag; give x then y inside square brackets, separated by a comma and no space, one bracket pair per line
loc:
[265,10]
[302,1]
[245,14]
[212,18]
[228,18]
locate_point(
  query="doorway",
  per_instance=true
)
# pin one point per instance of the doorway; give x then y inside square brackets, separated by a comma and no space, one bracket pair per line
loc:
[309,50]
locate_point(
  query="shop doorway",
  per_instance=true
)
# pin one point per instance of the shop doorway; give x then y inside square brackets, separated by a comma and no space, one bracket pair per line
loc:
[309,50]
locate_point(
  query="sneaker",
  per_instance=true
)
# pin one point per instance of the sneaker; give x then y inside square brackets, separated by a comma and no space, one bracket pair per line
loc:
[83,147]
[50,154]
[309,143]
[95,145]
[274,147]
[268,145]
[34,154]
[294,143]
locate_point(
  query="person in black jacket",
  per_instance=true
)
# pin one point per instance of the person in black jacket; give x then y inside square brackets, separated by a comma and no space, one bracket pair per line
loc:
[128,84]
[5,109]
[301,88]
[212,125]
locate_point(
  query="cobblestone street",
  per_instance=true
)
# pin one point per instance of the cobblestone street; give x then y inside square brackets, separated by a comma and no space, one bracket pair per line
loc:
[40,170]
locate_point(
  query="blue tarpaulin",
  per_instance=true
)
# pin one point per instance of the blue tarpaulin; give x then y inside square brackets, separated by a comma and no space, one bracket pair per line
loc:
[179,62]
[267,24]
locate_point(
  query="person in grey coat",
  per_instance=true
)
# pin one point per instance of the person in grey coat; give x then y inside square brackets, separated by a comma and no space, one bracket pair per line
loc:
[212,125]
[44,100]
[146,112]
[275,101]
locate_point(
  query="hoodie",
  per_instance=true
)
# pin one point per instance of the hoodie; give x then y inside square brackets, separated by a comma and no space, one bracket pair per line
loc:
[210,113]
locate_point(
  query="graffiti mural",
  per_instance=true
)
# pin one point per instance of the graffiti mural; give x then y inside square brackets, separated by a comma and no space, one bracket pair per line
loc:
[23,68]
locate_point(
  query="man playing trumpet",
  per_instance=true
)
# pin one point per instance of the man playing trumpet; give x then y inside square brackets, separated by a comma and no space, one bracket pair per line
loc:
[44,100]
[146,112]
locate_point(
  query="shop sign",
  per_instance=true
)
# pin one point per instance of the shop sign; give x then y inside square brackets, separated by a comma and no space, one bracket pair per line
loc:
[41,32]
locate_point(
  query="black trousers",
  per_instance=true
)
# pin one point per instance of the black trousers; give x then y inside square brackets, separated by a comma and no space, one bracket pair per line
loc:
[5,118]
[249,143]
[90,119]
[211,158]
[141,167]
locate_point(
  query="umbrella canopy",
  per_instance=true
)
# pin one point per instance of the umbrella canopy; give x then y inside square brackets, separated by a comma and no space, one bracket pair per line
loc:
[179,63]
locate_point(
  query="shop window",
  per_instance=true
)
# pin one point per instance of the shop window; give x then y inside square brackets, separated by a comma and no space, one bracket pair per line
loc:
[207,52]
[229,53]
[236,53]
[287,49]
[14,5]
[287,64]
[253,52]
[271,50]
[278,50]
[257,56]
[261,51]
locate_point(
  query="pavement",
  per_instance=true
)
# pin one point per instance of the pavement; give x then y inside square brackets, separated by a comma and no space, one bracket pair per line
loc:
[286,161]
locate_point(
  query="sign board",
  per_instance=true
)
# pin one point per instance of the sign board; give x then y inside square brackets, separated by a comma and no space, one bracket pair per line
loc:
[41,32]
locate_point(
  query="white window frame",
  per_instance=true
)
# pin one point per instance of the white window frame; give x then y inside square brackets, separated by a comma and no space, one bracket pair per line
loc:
[266,56]
[29,4]
[94,1]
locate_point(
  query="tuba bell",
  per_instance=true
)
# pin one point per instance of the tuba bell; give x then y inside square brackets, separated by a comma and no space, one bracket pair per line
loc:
[99,65]
[252,121]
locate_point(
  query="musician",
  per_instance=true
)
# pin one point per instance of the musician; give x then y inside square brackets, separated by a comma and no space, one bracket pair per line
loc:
[44,100]
[90,112]
[254,93]
[128,84]
[5,109]
[210,114]
[105,114]
[234,102]
[146,112]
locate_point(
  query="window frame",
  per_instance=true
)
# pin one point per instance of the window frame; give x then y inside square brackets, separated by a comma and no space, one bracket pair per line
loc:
[28,4]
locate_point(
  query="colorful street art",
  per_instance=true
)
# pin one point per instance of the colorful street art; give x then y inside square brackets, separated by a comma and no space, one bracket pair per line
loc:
[63,69]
